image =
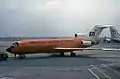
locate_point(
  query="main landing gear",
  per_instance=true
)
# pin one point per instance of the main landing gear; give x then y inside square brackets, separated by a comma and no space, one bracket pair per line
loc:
[61,54]
[72,54]
[20,56]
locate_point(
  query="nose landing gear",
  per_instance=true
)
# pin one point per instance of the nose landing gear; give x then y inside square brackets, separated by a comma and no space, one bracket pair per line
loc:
[20,56]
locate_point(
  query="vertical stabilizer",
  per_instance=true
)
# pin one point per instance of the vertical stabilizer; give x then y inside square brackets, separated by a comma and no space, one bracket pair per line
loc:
[114,33]
[96,31]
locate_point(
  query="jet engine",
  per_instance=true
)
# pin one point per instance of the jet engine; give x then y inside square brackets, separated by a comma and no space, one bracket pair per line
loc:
[86,42]
[80,35]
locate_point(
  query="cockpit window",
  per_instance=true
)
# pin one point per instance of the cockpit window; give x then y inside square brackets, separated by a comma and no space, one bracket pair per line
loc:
[15,44]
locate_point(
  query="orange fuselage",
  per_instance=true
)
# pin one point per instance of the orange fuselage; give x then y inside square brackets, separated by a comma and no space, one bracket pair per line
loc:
[48,45]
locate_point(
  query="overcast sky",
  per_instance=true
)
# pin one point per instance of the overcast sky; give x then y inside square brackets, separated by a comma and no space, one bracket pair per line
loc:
[56,17]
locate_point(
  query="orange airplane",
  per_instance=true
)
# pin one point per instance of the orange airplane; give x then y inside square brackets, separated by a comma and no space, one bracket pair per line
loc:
[56,45]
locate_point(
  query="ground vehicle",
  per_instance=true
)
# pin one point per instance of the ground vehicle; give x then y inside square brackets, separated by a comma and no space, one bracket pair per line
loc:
[3,56]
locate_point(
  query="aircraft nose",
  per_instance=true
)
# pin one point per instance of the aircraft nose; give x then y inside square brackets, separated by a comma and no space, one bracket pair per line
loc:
[8,49]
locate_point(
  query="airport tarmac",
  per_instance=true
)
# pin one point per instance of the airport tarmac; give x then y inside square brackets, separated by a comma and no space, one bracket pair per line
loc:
[91,64]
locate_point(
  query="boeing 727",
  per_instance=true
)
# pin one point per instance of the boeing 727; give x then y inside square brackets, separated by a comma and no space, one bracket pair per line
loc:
[57,45]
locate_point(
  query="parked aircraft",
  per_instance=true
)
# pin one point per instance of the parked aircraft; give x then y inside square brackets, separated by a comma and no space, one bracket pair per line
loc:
[115,36]
[57,45]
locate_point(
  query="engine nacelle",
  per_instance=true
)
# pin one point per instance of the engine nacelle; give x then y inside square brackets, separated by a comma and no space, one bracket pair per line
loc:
[80,35]
[86,43]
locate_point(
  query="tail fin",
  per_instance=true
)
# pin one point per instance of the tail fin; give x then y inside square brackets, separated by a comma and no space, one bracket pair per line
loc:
[114,33]
[96,31]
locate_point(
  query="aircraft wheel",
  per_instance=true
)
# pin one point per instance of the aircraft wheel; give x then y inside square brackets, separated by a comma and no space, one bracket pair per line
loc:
[15,56]
[24,56]
[5,58]
[21,56]
[62,54]
[72,54]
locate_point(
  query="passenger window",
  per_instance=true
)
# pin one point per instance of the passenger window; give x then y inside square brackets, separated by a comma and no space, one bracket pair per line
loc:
[31,42]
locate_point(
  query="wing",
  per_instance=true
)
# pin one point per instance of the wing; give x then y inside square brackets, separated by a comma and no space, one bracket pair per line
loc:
[73,49]
[103,49]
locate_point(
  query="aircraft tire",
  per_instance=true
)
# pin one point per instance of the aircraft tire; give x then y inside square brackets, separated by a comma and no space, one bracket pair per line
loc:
[4,58]
[73,54]
[21,56]
[62,54]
